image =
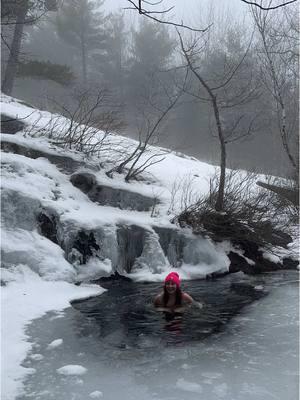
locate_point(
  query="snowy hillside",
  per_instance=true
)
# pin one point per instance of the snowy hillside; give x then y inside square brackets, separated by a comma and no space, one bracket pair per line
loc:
[35,184]
[64,221]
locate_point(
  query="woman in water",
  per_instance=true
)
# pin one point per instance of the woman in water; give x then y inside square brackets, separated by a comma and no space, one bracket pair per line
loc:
[172,298]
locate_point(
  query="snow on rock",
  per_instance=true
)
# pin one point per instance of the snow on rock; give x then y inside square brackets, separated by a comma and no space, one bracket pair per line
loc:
[55,343]
[40,254]
[71,370]
[94,269]
[189,386]
[271,257]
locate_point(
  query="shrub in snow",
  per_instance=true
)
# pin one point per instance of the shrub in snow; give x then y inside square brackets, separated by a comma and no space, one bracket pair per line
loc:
[250,215]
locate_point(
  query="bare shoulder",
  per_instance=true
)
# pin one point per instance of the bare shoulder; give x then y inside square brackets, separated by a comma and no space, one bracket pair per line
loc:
[187,298]
[158,300]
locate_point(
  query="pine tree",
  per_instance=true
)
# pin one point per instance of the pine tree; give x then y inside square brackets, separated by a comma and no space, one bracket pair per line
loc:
[112,63]
[151,51]
[80,24]
[19,13]
[152,46]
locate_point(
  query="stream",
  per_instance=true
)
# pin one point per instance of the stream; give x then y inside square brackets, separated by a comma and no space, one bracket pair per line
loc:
[243,345]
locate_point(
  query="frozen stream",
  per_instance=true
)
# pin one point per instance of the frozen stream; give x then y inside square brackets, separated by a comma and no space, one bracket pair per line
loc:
[242,346]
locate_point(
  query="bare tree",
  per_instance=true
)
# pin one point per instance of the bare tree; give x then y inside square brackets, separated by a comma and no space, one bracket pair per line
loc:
[145,8]
[277,56]
[151,116]
[225,94]
[269,4]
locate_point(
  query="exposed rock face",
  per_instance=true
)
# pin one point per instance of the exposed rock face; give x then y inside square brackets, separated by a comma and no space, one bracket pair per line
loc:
[279,238]
[11,125]
[290,194]
[238,263]
[80,244]
[86,245]
[172,242]
[84,181]
[131,241]
[47,222]
[288,263]
[64,163]
[105,195]
[260,263]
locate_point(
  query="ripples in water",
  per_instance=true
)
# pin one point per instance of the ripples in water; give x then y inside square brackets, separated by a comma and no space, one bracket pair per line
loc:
[126,312]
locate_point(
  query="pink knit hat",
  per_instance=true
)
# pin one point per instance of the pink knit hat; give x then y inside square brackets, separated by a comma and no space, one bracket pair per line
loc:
[174,277]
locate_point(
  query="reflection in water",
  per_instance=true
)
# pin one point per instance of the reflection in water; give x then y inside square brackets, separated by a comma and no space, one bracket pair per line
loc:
[125,313]
[174,326]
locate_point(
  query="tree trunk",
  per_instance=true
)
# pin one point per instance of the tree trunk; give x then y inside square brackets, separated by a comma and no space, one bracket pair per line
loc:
[12,63]
[220,198]
[83,61]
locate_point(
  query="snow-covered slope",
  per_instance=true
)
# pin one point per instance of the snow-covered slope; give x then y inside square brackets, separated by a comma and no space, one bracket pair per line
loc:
[31,185]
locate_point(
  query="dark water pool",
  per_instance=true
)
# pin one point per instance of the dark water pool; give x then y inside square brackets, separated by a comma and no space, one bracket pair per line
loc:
[127,307]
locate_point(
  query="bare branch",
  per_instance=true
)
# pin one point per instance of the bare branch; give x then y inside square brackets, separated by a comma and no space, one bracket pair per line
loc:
[237,66]
[149,14]
[253,3]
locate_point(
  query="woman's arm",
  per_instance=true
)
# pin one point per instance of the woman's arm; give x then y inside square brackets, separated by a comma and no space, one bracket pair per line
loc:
[187,298]
[158,301]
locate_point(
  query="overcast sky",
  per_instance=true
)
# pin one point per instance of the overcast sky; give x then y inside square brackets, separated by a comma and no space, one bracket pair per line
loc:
[185,9]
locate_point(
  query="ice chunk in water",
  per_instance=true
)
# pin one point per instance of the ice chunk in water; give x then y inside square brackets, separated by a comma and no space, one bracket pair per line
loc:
[189,386]
[71,370]
[55,343]
[96,394]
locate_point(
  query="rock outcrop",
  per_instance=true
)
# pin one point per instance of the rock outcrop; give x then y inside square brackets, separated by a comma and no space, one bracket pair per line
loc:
[106,195]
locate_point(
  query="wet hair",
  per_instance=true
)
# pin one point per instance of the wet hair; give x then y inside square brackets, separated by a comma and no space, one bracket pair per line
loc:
[178,296]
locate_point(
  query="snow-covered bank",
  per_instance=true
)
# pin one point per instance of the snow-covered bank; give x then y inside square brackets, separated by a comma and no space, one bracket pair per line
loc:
[25,298]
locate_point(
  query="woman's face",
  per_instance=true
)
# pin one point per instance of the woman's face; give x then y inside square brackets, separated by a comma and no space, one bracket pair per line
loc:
[170,287]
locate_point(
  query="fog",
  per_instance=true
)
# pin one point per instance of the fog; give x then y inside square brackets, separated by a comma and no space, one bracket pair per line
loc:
[139,63]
